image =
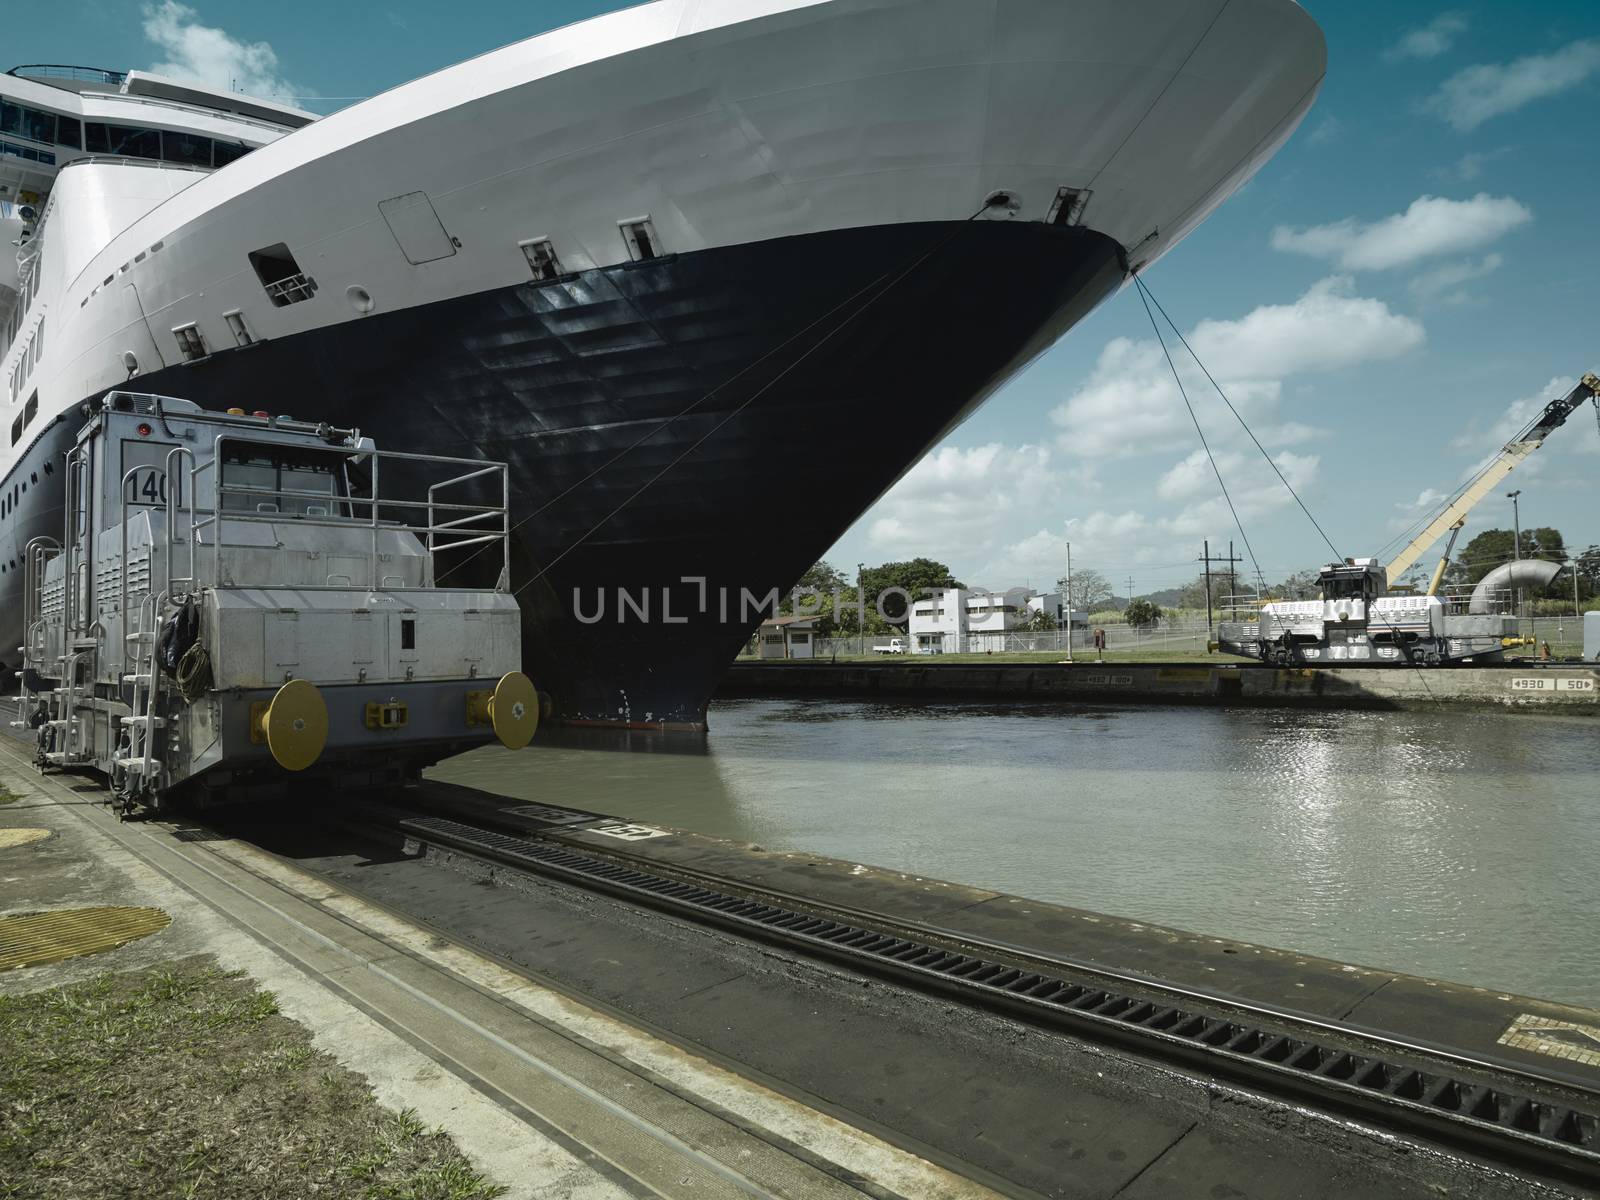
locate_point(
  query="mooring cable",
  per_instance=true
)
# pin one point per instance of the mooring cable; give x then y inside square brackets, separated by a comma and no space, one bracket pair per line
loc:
[1243,424]
[1205,445]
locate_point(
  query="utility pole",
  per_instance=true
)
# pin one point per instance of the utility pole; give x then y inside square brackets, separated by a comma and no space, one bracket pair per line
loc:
[1233,583]
[861,606]
[1516,546]
[1208,558]
[1069,601]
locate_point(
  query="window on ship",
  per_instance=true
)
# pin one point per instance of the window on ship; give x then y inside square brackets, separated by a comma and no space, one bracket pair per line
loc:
[281,276]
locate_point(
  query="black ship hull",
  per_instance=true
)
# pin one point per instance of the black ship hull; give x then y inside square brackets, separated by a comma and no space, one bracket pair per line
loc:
[687,433]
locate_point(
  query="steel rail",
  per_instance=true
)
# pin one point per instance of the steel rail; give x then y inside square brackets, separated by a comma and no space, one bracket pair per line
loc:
[1434,1095]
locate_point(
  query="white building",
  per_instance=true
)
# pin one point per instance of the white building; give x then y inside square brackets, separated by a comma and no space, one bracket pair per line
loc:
[789,637]
[977,620]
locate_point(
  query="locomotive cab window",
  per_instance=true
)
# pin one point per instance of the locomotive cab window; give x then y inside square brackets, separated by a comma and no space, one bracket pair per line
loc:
[286,480]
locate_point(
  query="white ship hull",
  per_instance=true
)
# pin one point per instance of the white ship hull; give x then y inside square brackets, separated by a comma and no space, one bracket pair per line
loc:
[794,160]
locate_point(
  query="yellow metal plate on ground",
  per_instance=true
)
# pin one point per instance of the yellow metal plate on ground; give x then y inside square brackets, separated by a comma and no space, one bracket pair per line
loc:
[514,711]
[297,725]
[21,837]
[35,939]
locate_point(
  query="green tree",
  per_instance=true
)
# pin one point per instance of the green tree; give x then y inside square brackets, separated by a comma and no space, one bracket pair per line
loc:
[1587,566]
[1302,585]
[1090,590]
[1142,613]
[1041,620]
[815,594]
[1492,547]
[915,577]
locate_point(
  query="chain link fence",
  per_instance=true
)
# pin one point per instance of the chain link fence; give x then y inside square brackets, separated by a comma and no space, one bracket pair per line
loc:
[1182,636]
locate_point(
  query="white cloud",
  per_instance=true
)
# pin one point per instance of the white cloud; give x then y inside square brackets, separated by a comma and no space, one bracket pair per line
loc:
[1579,435]
[1471,97]
[1431,226]
[206,55]
[1169,538]
[1099,536]
[1130,405]
[1427,498]
[1327,327]
[1430,41]
[1444,281]
[1328,129]
[960,500]
[1253,486]
[1470,166]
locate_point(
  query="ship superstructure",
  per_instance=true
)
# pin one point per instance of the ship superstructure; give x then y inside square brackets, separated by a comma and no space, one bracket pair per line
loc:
[709,277]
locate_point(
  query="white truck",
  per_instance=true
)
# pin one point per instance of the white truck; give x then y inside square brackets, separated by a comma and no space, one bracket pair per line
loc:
[895,646]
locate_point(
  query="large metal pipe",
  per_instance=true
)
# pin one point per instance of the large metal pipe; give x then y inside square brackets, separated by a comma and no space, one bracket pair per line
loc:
[1533,573]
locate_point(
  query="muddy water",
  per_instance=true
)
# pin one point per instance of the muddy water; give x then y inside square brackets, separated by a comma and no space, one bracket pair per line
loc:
[1458,846]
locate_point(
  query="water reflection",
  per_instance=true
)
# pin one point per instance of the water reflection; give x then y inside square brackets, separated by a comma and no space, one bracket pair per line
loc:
[1448,844]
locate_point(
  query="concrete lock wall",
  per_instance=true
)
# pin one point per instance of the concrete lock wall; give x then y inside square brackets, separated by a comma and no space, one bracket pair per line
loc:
[1574,689]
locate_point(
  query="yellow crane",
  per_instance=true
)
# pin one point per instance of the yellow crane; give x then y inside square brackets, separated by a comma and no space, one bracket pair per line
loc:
[1554,416]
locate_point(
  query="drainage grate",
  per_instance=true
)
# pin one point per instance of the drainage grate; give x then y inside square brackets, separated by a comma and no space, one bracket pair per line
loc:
[35,939]
[198,833]
[1464,1104]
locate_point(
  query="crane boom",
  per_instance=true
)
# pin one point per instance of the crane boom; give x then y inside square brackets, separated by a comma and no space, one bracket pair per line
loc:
[1525,443]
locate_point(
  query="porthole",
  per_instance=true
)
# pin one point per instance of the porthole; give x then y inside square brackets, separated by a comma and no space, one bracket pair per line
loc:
[360,299]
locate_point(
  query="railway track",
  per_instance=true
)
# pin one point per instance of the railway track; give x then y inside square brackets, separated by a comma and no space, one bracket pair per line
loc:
[1497,1111]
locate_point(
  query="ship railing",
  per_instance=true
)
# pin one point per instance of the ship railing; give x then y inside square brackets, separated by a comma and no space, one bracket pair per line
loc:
[291,289]
[129,160]
[442,526]
[67,71]
[201,110]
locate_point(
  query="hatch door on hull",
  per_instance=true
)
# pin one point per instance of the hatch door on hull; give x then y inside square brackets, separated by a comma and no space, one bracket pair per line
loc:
[416,227]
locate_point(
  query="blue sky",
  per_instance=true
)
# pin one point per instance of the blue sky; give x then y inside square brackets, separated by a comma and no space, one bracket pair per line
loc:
[1386,301]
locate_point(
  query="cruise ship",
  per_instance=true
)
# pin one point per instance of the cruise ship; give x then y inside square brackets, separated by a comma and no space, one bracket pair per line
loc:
[709,274]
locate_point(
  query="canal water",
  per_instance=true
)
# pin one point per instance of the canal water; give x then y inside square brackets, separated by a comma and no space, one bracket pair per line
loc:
[1453,845]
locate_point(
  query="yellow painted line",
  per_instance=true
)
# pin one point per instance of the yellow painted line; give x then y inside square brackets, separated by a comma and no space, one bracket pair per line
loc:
[1567,1040]
[35,939]
[21,837]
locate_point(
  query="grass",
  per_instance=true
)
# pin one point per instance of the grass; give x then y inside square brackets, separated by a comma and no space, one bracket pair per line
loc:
[8,797]
[186,1081]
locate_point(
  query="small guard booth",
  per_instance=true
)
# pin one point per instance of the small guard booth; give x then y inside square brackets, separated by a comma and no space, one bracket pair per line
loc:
[789,637]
